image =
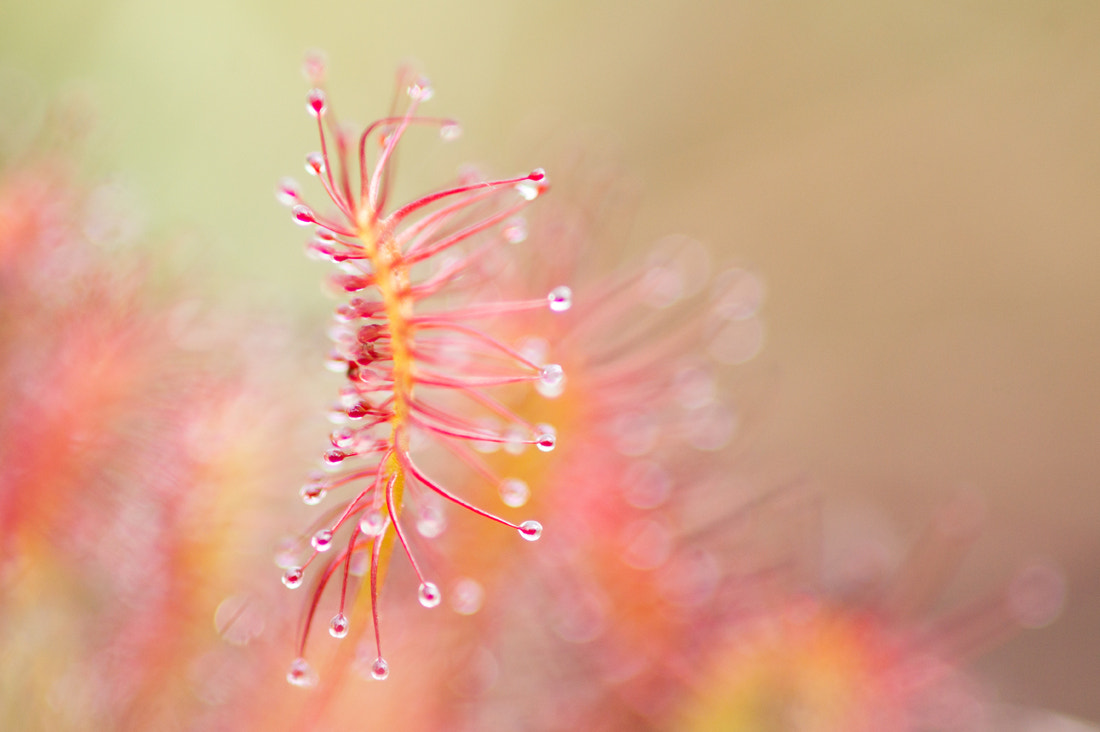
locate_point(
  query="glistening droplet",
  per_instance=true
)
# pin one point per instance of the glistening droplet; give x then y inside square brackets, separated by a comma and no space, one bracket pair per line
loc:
[371,523]
[429,594]
[338,626]
[551,375]
[312,493]
[379,670]
[335,457]
[560,299]
[450,131]
[301,673]
[421,90]
[315,163]
[303,215]
[292,577]
[315,102]
[533,185]
[322,540]
[288,192]
[530,530]
[545,438]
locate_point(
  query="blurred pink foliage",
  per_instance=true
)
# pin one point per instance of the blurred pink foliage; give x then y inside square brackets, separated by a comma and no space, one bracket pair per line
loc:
[679,585]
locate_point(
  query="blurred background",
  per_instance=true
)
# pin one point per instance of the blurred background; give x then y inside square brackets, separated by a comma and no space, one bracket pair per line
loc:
[918,183]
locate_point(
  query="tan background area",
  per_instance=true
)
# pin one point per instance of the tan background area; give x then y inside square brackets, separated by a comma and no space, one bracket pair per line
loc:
[919,184]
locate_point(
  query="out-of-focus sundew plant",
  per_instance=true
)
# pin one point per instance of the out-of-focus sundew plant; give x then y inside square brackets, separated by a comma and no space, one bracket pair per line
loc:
[844,520]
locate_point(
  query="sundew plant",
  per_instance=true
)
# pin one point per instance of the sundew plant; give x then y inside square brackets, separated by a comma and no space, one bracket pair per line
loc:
[415,340]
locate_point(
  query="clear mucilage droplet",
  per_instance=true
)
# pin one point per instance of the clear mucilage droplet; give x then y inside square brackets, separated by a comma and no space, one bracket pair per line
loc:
[530,530]
[301,673]
[288,192]
[338,626]
[315,102]
[312,493]
[335,457]
[545,437]
[293,576]
[450,131]
[551,375]
[303,215]
[315,163]
[533,185]
[560,299]
[342,438]
[322,540]
[421,90]
[514,492]
[372,522]
[429,594]
[379,670]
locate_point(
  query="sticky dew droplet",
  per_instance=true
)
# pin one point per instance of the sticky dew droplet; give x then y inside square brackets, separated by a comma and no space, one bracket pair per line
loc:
[560,299]
[301,674]
[293,576]
[450,131]
[528,190]
[315,163]
[372,522]
[545,438]
[342,438]
[335,457]
[514,492]
[319,250]
[533,185]
[338,626]
[322,540]
[429,594]
[288,192]
[303,215]
[530,530]
[315,102]
[379,670]
[551,375]
[312,493]
[420,90]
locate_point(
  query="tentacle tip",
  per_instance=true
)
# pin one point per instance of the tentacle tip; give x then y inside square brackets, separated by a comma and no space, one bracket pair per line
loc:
[292,577]
[315,102]
[379,670]
[301,674]
[530,530]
